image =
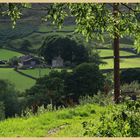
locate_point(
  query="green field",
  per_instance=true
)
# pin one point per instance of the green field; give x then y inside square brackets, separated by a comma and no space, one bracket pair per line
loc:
[36,72]
[109,52]
[21,82]
[124,62]
[7,54]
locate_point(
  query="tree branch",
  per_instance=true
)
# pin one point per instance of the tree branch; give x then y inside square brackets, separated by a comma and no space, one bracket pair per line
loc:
[130,8]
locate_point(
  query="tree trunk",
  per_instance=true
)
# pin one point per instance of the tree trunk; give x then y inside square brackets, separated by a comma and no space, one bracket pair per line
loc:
[116,55]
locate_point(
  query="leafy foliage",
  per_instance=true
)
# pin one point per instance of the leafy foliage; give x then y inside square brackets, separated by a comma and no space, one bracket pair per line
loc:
[13,61]
[8,96]
[121,121]
[87,79]
[65,88]
[2,111]
[26,45]
[13,10]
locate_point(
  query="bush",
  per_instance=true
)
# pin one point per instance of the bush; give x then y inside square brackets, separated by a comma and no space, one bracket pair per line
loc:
[87,80]
[99,98]
[13,61]
[2,111]
[130,91]
[132,87]
[64,88]
[47,90]
[117,121]
[130,75]
[8,95]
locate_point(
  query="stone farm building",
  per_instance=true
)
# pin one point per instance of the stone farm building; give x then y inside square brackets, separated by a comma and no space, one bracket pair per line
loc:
[28,61]
[57,62]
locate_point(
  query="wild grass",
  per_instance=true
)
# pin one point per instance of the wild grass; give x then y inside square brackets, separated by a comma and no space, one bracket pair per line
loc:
[44,124]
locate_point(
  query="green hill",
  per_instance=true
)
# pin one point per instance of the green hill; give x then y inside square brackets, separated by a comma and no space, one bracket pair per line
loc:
[65,122]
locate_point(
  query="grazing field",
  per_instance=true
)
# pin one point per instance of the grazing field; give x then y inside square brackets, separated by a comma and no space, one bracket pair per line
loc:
[7,54]
[124,62]
[21,82]
[109,52]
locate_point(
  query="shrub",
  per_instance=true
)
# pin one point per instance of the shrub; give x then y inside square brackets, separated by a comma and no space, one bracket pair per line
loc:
[64,88]
[2,111]
[47,90]
[8,95]
[99,98]
[130,75]
[13,61]
[117,121]
[25,45]
[131,90]
[132,87]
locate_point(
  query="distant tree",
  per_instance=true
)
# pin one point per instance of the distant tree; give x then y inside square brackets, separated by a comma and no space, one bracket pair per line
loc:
[25,45]
[87,80]
[47,90]
[13,61]
[64,46]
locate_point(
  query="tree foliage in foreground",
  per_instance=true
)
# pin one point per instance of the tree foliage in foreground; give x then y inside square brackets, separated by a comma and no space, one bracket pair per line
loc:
[117,121]
[8,95]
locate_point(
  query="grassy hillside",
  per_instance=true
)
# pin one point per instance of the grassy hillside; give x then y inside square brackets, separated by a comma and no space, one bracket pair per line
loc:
[65,122]
[7,54]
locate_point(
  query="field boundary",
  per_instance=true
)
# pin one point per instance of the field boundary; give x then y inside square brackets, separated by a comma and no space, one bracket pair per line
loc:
[111,70]
[29,76]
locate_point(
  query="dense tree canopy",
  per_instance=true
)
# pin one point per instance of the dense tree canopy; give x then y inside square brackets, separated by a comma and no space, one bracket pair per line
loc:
[70,50]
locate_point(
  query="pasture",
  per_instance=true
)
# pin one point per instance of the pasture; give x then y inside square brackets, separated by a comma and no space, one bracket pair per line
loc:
[7,54]
[128,60]
[21,82]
